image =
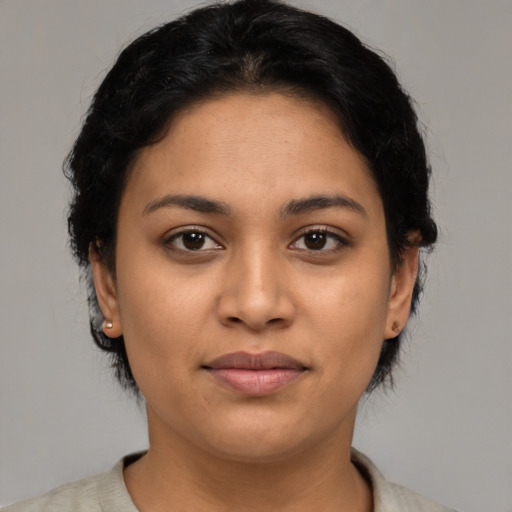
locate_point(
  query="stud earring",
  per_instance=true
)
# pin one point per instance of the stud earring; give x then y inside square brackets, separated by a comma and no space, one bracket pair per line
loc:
[107,324]
[395,328]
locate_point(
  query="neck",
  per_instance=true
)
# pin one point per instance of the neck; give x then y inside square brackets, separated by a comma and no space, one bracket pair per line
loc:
[320,477]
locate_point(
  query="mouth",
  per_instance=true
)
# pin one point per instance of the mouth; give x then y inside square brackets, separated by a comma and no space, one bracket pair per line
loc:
[255,374]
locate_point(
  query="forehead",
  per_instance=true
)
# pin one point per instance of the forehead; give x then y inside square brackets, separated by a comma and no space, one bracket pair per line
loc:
[252,149]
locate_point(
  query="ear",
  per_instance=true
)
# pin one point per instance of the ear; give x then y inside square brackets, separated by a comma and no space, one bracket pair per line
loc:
[106,294]
[401,289]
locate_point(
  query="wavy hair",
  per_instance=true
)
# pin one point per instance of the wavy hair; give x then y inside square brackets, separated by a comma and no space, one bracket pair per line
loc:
[258,46]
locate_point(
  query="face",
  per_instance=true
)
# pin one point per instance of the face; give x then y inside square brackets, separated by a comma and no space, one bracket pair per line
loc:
[253,284]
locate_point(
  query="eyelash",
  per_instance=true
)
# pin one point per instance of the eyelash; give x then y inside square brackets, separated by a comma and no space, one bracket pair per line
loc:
[328,235]
[170,241]
[325,232]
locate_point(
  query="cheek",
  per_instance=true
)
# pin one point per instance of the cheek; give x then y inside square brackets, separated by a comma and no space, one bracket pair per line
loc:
[162,313]
[156,294]
[348,317]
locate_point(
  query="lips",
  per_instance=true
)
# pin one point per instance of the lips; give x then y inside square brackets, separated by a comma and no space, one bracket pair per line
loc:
[255,374]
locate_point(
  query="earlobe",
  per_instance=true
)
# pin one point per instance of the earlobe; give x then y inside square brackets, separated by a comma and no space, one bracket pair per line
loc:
[106,294]
[401,290]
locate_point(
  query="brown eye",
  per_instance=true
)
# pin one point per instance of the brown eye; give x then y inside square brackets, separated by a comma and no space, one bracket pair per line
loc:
[315,240]
[192,240]
[320,240]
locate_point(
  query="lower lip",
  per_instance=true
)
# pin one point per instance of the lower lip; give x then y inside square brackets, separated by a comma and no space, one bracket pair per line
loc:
[255,382]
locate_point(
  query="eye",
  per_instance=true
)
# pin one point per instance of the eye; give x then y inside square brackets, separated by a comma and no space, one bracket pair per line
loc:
[319,240]
[192,240]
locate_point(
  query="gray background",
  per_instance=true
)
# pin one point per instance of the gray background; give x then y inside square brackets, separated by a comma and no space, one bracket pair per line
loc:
[447,429]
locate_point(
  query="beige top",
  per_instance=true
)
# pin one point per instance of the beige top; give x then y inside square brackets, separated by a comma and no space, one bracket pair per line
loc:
[107,492]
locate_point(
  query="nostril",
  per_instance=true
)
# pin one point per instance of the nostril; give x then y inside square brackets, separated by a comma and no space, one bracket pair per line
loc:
[271,322]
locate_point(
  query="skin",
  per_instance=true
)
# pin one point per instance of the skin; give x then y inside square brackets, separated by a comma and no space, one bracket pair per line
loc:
[254,286]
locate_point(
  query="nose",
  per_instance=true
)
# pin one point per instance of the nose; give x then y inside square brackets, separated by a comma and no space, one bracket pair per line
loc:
[256,293]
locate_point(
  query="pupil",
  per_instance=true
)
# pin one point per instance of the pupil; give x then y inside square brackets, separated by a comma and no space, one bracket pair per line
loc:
[315,240]
[193,240]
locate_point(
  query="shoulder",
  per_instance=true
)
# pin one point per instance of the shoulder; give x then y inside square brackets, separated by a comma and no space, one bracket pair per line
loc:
[409,500]
[390,497]
[81,495]
[105,491]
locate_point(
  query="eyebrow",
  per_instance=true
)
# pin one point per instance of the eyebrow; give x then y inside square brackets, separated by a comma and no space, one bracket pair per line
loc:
[293,207]
[189,202]
[317,202]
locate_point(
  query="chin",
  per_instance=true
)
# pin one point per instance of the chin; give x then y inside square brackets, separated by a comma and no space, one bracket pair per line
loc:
[258,441]
[257,451]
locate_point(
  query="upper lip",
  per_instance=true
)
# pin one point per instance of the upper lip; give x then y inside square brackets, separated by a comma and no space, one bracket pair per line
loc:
[260,361]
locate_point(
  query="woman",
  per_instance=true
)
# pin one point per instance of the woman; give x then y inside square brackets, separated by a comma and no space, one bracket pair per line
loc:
[251,195]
